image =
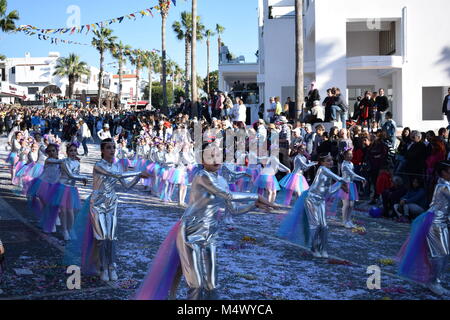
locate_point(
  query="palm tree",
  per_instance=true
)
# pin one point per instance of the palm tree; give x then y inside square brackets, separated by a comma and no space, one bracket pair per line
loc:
[164,10]
[120,52]
[171,69]
[137,59]
[153,63]
[299,80]
[194,57]
[103,41]
[72,68]
[7,20]
[219,30]
[183,30]
[208,34]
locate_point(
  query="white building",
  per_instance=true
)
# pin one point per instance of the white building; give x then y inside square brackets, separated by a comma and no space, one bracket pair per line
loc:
[129,87]
[399,45]
[36,75]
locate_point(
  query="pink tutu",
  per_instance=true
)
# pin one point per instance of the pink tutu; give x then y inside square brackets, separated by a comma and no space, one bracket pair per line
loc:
[352,195]
[295,182]
[268,182]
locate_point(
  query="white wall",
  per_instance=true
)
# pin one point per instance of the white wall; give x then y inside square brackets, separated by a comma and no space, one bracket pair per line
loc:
[365,43]
[279,63]
[428,48]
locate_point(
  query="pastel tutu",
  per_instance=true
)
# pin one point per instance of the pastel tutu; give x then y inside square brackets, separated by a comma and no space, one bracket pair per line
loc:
[180,176]
[12,158]
[63,197]
[295,182]
[352,195]
[268,182]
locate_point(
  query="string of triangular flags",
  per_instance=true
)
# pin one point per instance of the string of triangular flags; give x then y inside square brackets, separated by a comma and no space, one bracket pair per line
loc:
[93,26]
[41,36]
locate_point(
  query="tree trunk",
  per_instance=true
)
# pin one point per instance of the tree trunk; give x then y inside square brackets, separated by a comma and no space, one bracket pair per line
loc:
[120,77]
[137,85]
[187,71]
[219,45]
[299,80]
[100,79]
[150,83]
[208,47]
[165,109]
[71,85]
[194,58]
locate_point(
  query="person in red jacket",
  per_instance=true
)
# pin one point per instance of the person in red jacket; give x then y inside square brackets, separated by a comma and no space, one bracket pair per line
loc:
[384,181]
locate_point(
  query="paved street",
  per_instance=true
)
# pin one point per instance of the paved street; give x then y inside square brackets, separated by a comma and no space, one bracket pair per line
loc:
[253,263]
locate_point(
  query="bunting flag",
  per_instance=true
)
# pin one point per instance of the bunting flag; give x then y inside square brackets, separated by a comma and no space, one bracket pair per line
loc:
[41,36]
[93,26]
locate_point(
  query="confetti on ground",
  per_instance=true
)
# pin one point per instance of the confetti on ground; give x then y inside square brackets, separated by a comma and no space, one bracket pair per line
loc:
[339,262]
[23,272]
[246,276]
[387,262]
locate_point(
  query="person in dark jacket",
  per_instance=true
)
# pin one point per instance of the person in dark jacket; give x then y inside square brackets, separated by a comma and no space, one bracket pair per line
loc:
[339,109]
[383,105]
[414,202]
[446,107]
[415,156]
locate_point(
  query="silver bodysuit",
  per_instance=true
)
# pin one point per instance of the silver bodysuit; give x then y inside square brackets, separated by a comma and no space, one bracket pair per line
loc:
[438,240]
[301,164]
[52,171]
[70,172]
[315,205]
[197,238]
[104,200]
[348,172]
[230,174]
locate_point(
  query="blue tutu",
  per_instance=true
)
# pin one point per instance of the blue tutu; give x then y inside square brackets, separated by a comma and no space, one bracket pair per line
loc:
[268,182]
[180,176]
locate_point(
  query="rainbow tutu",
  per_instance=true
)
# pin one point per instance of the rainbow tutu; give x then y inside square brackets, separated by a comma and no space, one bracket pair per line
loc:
[39,194]
[268,182]
[413,258]
[294,182]
[180,176]
[63,197]
[12,158]
[352,195]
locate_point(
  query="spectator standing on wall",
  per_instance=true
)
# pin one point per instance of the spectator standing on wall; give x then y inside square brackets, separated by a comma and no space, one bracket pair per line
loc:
[446,107]
[383,105]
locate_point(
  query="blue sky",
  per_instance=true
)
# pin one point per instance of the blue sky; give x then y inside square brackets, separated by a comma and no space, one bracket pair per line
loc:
[239,17]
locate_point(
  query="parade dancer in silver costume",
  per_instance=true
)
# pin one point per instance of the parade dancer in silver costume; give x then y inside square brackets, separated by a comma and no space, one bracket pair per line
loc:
[231,176]
[348,199]
[295,182]
[315,204]
[198,233]
[103,207]
[70,174]
[425,254]
[438,239]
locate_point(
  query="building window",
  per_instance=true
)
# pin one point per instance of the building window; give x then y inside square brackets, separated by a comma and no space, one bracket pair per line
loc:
[432,98]
[13,70]
[33,90]
[388,41]
[32,68]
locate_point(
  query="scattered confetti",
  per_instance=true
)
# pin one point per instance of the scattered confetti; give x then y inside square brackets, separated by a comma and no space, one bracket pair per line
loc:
[339,262]
[247,276]
[394,290]
[249,239]
[359,230]
[387,262]
[23,272]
